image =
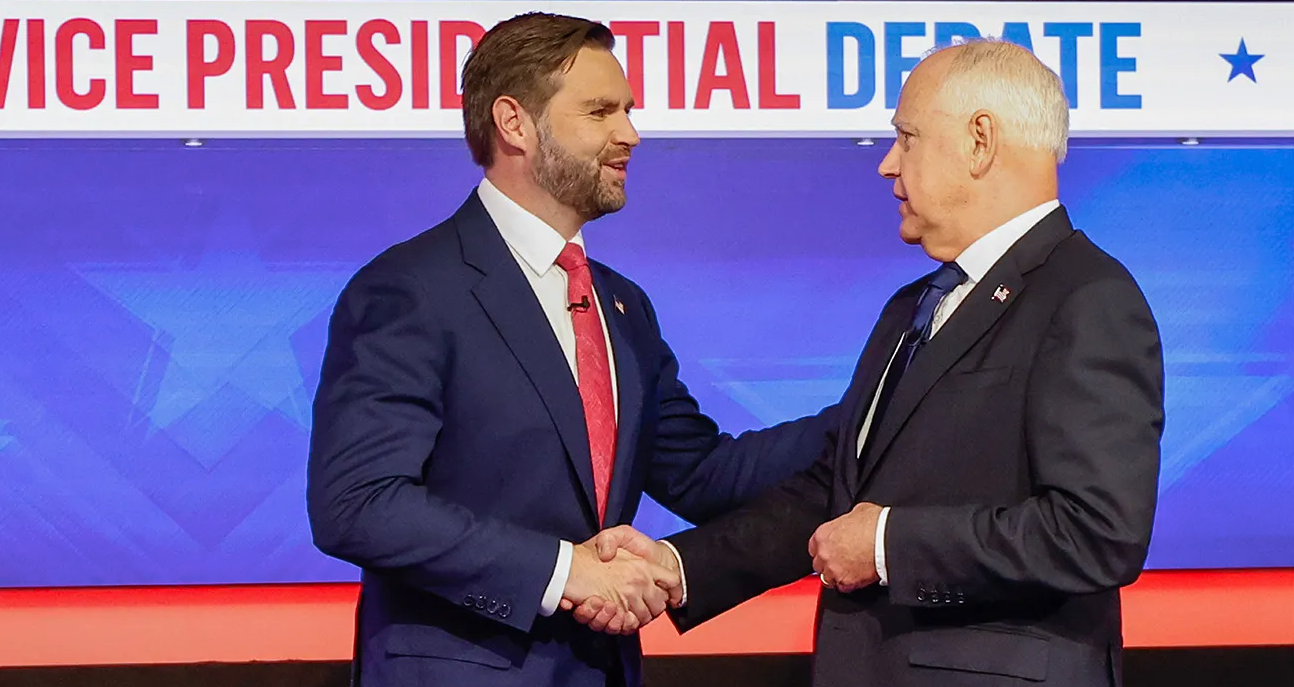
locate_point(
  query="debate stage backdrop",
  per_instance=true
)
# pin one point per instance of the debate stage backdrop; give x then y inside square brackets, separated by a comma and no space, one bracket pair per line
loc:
[163,314]
[163,306]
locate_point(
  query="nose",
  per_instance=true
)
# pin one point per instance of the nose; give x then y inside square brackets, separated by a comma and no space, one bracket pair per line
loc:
[625,134]
[889,167]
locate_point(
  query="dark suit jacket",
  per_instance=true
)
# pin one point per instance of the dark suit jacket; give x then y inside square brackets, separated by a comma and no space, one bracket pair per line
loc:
[1020,457]
[449,455]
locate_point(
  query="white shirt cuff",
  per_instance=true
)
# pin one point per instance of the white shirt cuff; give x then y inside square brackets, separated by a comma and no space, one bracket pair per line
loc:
[682,576]
[880,546]
[557,585]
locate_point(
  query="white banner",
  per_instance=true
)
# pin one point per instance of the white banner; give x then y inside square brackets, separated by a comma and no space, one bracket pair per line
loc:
[343,68]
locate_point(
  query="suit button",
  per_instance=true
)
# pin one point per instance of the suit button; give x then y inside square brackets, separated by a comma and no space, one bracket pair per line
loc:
[468,600]
[494,605]
[921,595]
[480,602]
[505,611]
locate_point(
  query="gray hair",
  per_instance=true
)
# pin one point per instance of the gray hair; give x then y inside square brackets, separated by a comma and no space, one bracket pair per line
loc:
[1009,81]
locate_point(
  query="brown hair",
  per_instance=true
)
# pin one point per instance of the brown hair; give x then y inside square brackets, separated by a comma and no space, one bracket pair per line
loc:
[521,57]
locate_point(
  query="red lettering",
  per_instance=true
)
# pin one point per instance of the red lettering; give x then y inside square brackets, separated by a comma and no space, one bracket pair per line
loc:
[36,64]
[8,46]
[677,75]
[277,69]
[722,38]
[379,64]
[769,98]
[450,32]
[634,33]
[199,68]
[65,83]
[421,66]
[128,63]
[317,64]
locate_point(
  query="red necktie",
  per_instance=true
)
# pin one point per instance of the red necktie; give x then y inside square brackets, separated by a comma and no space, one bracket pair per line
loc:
[594,370]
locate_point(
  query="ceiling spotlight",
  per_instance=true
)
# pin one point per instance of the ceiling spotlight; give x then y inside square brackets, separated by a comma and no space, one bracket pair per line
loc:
[193,143]
[866,142]
[1192,141]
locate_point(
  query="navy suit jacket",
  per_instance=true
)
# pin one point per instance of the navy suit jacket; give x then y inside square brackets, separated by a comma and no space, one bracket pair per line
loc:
[449,455]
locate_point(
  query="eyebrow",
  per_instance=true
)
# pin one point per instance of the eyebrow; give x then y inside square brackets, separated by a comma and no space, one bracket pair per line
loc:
[606,104]
[900,125]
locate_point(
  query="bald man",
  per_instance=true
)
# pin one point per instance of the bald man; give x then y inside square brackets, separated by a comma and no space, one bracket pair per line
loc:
[992,482]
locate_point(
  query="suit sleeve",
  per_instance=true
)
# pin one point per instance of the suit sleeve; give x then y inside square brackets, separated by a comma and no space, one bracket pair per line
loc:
[760,546]
[377,413]
[699,473]
[1094,421]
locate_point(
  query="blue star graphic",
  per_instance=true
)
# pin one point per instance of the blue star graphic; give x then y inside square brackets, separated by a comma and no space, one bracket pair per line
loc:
[224,325]
[1242,62]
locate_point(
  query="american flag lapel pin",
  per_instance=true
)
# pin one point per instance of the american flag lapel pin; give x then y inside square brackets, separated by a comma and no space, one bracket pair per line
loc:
[1001,293]
[620,306]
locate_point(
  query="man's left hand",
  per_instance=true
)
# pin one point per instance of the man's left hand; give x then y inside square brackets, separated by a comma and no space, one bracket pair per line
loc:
[844,550]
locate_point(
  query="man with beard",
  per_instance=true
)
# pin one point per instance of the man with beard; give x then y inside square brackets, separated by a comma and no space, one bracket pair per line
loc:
[489,397]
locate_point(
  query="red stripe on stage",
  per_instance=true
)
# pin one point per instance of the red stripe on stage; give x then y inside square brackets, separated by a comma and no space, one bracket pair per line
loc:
[150,625]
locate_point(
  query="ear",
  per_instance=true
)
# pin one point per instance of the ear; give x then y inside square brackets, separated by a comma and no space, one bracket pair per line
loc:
[515,126]
[985,132]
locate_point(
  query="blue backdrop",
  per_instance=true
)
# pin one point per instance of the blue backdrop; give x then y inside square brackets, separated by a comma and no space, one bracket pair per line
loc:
[163,313]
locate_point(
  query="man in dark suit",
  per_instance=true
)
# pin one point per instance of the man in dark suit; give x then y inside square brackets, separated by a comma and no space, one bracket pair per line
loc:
[490,396]
[992,481]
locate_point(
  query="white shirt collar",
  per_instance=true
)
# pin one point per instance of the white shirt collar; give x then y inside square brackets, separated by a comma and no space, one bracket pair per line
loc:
[534,240]
[980,256]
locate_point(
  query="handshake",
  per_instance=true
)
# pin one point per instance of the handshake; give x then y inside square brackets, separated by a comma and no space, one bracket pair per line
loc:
[620,580]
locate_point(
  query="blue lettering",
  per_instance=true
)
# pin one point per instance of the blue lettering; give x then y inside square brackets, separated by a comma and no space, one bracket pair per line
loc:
[837,97]
[947,31]
[896,63]
[1068,33]
[1112,65]
[1018,32]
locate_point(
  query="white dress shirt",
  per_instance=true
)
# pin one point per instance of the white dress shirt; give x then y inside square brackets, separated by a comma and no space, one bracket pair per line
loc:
[975,261]
[535,245]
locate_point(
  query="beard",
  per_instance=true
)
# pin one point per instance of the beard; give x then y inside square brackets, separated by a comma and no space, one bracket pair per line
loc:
[577,183]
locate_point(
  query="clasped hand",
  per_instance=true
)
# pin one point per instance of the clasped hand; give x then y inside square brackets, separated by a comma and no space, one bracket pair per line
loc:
[844,549]
[621,580]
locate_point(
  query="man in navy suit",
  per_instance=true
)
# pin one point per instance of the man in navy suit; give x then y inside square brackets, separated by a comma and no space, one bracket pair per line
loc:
[490,399]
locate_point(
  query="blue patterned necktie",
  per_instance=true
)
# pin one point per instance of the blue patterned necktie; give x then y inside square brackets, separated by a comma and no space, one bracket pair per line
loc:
[948,277]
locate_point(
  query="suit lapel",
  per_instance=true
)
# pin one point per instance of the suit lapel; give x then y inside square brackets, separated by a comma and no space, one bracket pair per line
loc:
[629,391]
[986,303]
[510,303]
[862,390]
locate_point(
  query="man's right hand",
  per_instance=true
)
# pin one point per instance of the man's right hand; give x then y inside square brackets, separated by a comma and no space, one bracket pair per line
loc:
[625,590]
[611,544]
[609,541]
